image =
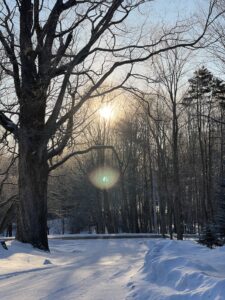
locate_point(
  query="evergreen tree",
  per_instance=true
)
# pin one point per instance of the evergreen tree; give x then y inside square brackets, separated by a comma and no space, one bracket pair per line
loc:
[206,100]
[205,86]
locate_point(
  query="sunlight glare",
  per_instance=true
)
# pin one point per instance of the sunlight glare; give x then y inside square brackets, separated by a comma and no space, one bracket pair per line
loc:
[106,112]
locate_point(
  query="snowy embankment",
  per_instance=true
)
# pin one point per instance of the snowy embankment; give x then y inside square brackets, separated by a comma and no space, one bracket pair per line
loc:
[180,270]
[140,269]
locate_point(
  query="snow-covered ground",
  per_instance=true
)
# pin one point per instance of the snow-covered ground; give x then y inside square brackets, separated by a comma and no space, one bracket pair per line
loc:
[139,269]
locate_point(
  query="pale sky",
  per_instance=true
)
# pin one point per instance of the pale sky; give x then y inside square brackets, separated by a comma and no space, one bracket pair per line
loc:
[170,10]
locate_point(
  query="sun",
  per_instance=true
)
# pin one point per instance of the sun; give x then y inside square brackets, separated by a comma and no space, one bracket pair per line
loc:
[106,112]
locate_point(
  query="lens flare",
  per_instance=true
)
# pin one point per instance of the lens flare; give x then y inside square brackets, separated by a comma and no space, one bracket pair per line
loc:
[104,177]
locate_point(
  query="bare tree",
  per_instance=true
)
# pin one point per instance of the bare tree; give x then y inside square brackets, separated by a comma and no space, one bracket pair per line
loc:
[48,49]
[170,70]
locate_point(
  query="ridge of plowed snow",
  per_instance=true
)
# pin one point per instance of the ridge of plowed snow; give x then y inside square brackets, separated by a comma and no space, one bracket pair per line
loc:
[180,270]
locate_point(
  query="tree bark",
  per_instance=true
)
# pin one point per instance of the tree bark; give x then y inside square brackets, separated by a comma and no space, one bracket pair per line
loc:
[33,180]
[178,213]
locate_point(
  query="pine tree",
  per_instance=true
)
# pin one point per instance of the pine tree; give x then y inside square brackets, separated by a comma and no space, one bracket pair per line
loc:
[206,87]
[205,100]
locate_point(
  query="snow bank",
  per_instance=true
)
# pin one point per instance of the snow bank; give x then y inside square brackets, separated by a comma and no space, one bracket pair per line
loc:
[20,258]
[180,270]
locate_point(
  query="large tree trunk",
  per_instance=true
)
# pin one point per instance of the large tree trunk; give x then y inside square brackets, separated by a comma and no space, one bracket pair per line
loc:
[33,138]
[33,178]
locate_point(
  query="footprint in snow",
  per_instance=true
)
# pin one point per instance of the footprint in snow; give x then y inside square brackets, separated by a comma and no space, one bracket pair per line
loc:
[131,285]
[77,251]
[47,262]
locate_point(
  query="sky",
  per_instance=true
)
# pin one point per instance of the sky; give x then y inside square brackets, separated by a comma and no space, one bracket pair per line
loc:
[170,10]
[167,12]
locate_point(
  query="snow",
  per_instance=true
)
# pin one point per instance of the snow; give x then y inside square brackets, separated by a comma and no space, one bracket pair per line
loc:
[112,269]
[180,270]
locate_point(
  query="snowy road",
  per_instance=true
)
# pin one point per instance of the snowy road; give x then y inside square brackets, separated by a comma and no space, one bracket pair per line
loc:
[123,269]
[78,270]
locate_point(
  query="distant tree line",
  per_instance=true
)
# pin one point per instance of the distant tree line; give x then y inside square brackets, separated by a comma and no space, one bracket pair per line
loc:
[171,164]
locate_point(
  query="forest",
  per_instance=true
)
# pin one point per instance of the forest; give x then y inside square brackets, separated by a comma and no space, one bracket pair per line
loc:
[168,148]
[109,126]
